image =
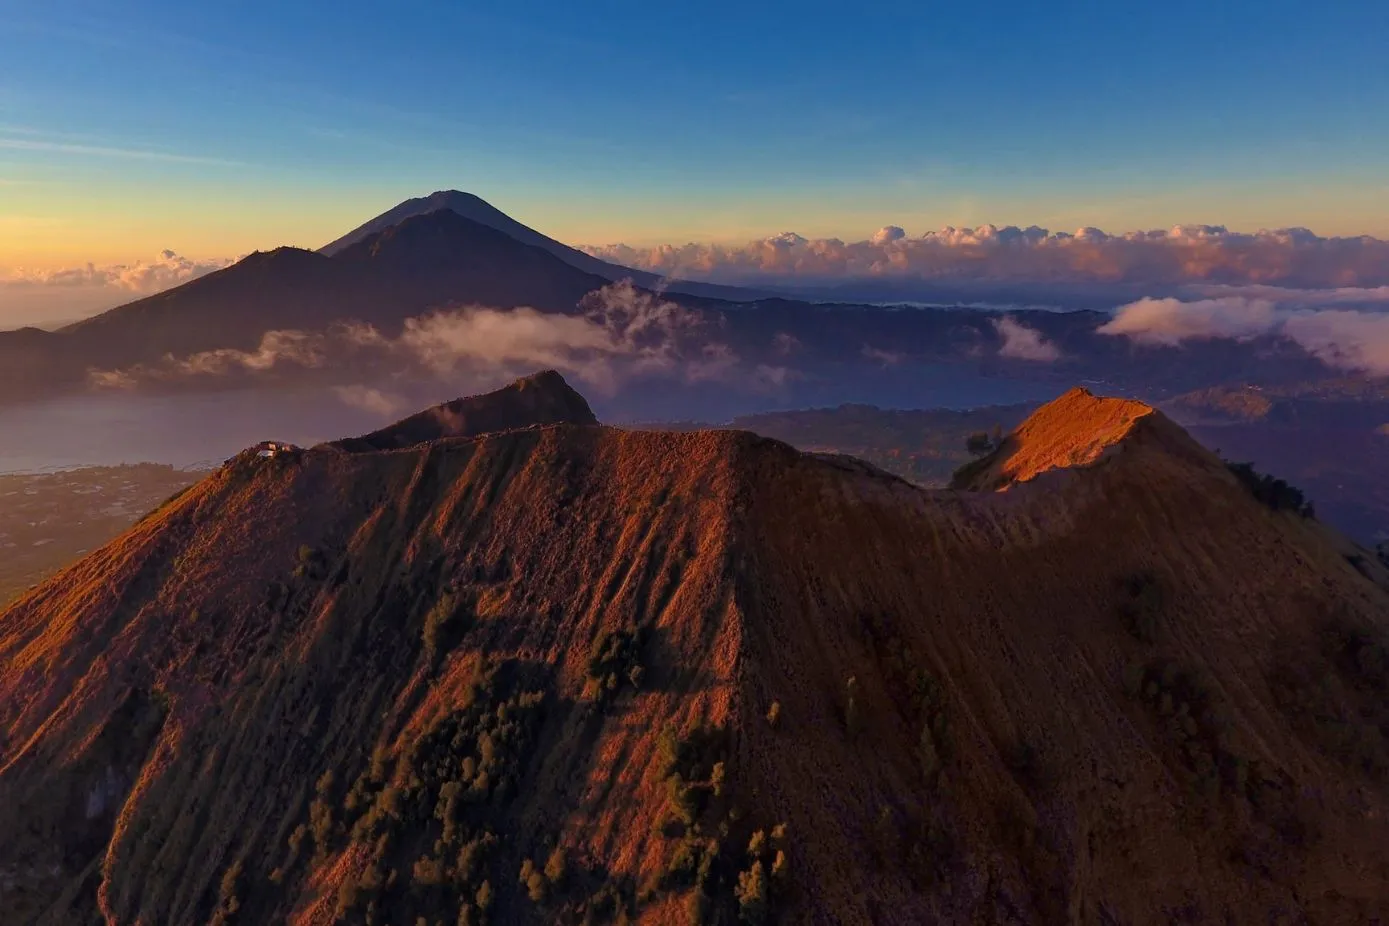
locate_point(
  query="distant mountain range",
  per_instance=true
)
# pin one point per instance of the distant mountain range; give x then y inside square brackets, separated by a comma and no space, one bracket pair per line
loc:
[452,249]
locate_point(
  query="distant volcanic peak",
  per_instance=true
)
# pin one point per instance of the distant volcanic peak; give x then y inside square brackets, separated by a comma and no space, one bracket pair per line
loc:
[1076,430]
[432,224]
[465,206]
[542,398]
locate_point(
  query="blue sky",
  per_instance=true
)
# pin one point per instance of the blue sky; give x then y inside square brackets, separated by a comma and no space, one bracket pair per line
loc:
[214,129]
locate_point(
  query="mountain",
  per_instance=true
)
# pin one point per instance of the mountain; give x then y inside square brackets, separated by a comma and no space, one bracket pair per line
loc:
[480,211]
[428,261]
[542,399]
[567,673]
[1077,430]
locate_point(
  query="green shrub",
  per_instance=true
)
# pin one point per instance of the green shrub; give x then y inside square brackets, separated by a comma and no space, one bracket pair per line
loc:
[442,625]
[555,867]
[752,895]
[615,659]
[979,443]
[1275,493]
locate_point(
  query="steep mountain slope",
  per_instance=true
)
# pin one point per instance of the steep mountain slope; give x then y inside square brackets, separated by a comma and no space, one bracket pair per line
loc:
[568,673]
[479,210]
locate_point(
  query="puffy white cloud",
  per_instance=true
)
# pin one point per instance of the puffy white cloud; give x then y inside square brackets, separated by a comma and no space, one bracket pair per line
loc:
[1169,322]
[623,331]
[1021,342]
[164,271]
[888,234]
[1347,338]
[55,296]
[1206,254]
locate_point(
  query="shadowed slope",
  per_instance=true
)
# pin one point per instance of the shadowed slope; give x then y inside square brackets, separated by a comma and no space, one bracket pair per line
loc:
[1085,699]
[543,398]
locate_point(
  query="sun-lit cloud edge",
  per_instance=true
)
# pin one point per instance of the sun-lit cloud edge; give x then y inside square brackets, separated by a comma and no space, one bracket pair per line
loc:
[1349,330]
[1183,254]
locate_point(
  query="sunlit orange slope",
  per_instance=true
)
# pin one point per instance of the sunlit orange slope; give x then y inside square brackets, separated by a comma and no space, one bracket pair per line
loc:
[721,677]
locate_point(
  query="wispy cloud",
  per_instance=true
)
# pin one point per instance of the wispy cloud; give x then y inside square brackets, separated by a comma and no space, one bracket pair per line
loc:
[107,151]
[1346,338]
[622,332]
[1021,342]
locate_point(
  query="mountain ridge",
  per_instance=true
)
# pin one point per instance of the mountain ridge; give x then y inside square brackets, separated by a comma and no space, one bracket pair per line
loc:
[942,696]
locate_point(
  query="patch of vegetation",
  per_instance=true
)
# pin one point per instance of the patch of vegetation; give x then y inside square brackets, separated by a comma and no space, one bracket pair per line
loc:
[445,623]
[1142,605]
[310,564]
[228,902]
[1186,705]
[1341,700]
[615,662]
[917,693]
[428,818]
[1275,493]
[981,443]
[724,883]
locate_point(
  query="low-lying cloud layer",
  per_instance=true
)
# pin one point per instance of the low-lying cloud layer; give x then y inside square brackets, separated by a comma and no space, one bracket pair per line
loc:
[1324,325]
[622,332]
[166,270]
[65,294]
[1175,256]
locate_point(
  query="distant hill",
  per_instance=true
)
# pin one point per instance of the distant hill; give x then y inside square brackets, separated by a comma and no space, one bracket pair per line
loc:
[564,673]
[480,211]
[542,399]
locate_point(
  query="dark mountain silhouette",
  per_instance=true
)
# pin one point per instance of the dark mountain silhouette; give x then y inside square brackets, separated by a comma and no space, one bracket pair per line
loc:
[564,673]
[427,261]
[542,399]
[479,210]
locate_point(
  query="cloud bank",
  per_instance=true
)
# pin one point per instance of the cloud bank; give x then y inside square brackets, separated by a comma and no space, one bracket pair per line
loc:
[622,332]
[1290,257]
[166,270]
[66,294]
[1354,339]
